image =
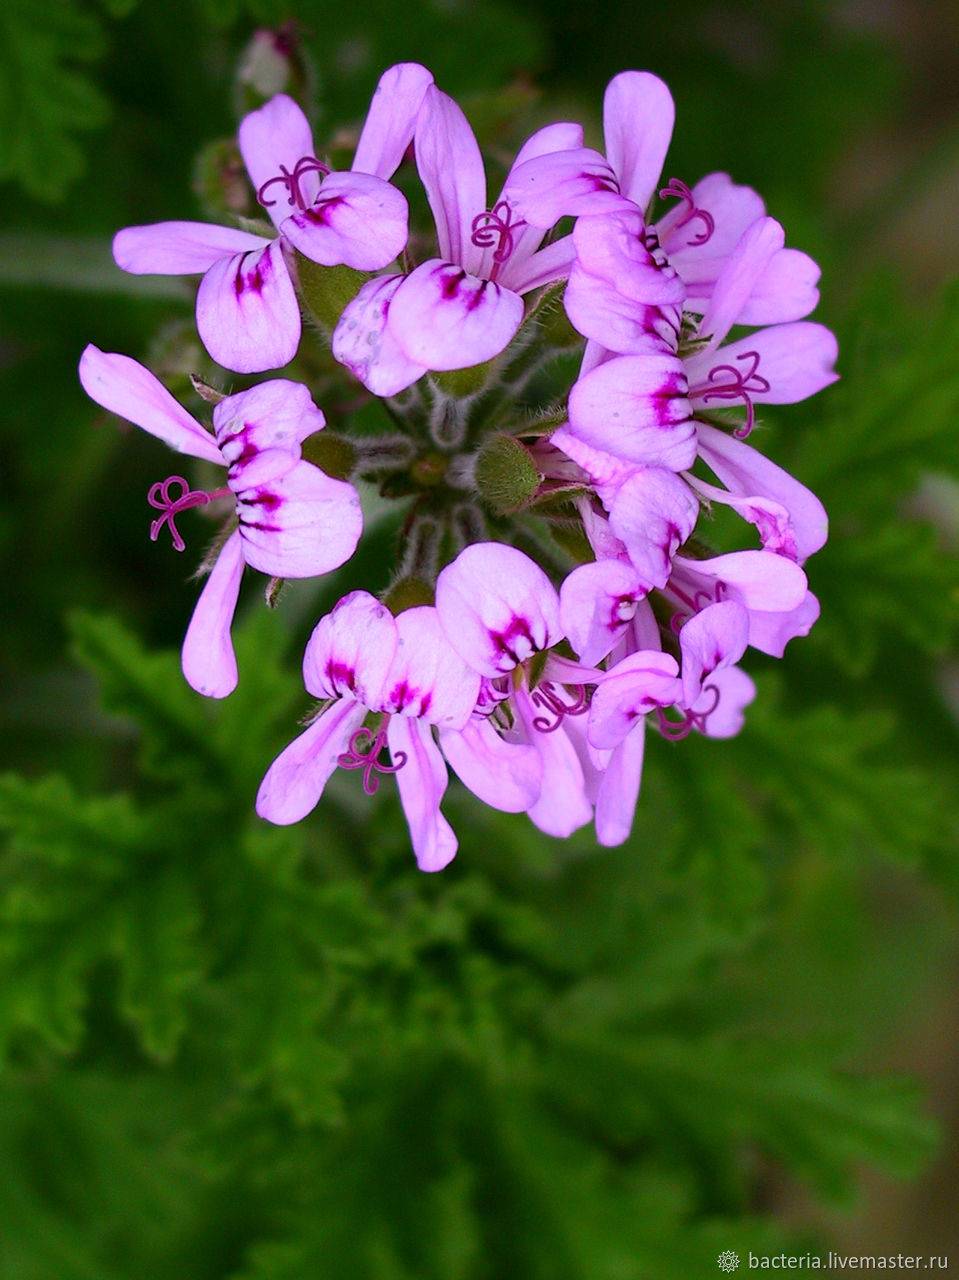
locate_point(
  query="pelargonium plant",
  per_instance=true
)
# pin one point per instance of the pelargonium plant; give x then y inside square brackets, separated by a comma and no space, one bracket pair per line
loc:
[571,369]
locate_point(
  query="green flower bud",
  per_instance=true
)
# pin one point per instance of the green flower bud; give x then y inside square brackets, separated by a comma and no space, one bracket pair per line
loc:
[506,476]
[336,455]
[408,593]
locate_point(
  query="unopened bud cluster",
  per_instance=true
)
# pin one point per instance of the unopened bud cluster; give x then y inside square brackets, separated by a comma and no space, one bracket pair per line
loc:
[553,595]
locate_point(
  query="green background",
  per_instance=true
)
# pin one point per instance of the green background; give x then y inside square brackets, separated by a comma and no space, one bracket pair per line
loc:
[235,1051]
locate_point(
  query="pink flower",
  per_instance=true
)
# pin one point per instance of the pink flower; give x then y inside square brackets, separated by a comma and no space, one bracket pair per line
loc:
[464,306]
[247,312]
[294,521]
[403,670]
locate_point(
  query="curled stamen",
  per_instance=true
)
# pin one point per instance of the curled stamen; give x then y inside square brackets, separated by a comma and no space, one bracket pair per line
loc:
[676,730]
[161,498]
[291,181]
[495,226]
[743,384]
[366,757]
[682,192]
[546,696]
[701,600]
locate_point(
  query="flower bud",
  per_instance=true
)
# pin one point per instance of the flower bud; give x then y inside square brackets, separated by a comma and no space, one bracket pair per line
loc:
[334,454]
[506,476]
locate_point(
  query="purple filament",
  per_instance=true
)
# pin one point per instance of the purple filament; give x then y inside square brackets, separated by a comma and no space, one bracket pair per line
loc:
[682,192]
[161,498]
[366,757]
[742,385]
[494,227]
[291,181]
[676,730]
[546,696]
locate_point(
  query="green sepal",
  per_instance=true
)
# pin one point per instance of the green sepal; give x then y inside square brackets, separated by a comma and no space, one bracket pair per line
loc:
[506,476]
[460,384]
[332,453]
[327,290]
[408,593]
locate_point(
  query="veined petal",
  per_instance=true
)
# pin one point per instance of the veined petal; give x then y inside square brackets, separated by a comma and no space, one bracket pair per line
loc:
[451,169]
[756,248]
[757,579]
[634,687]
[179,248]
[612,247]
[505,775]
[722,702]
[350,651]
[653,514]
[390,121]
[638,118]
[779,365]
[601,311]
[299,524]
[444,318]
[422,783]
[428,678]
[209,663]
[606,471]
[635,407]
[247,314]
[619,788]
[546,265]
[747,472]
[785,291]
[562,806]
[731,207]
[278,414]
[363,342]
[357,220]
[125,387]
[497,607]
[597,602]
[295,780]
[566,183]
[273,141]
[712,638]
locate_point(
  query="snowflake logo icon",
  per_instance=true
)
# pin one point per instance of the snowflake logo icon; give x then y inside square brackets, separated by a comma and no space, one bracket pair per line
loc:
[728,1261]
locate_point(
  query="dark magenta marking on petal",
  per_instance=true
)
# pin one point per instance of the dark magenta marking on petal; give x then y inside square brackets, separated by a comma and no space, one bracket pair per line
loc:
[476,296]
[340,675]
[451,283]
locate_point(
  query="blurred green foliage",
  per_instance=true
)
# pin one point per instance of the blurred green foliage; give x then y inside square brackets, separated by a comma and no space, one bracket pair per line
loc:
[231,1050]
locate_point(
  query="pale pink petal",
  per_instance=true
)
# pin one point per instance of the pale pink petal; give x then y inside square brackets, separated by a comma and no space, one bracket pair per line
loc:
[428,678]
[634,687]
[451,169]
[619,789]
[299,524]
[724,698]
[612,247]
[638,117]
[273,141]
[606,472]
[208,660]
[771,518]
[278,414]
[545,266]
[745,471]
[504,775]
[179,248]
[444,318]
[564,184]
[786,290]
[246,311]
[363,342]
[388,130]
[351,650]
[562,807]
[753,253]
[712,638]
[635,407]
[597,602]
[421,780]
[357,220]
[771,632]
[779,365]
[497,607]
[128,389]
[731,207]
[295,780]
[757,579]
[601,311]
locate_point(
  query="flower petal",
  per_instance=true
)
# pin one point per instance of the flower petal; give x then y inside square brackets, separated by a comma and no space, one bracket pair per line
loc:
[653,514]
[422,783]
[599,310]
[634,687]
[786,290]
[357,220]
[273,140]
[753,253]
[771,632]
[638,118]
[619,788]
[497,607]
[126,388]
[451,169]
[295,780]
[209,663]
[444,318]
[597,602]
[562,807]
[505,775]
[351,650]
[635,407]
[363,342]
[179,248]
[757,579]
[731,207]
[714,637]
[779,365]
[278,414]
[299,524]
[428,678]
[564,184]
[723,700]
[246,311]
[390,121]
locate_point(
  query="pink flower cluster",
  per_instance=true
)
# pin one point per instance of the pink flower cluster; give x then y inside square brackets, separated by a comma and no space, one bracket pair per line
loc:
[573,600]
